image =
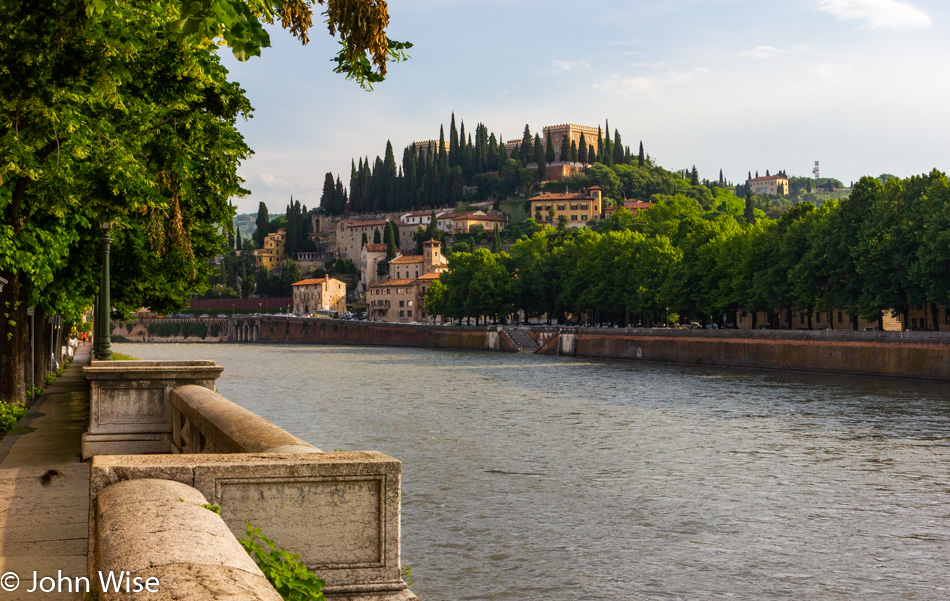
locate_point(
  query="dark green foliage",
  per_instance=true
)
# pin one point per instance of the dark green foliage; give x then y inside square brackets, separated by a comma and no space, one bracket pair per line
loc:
[582,149]
[284,570]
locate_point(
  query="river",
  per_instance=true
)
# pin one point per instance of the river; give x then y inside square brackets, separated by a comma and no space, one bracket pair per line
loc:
[531,478]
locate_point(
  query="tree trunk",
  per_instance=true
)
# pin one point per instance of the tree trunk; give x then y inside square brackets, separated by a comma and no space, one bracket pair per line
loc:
[13,327]
[755,319]
[809,319]
[854,322]
[935,313]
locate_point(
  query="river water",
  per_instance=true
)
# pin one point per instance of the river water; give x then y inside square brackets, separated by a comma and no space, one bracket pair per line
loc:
[532,478]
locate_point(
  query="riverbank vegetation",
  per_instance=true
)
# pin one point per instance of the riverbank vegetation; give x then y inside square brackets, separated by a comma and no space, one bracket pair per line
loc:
[121,113]
[886,247]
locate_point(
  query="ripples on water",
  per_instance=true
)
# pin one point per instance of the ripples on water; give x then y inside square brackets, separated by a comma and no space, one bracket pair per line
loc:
[530,478]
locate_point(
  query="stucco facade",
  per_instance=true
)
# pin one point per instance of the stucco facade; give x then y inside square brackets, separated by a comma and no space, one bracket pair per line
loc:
[321,294]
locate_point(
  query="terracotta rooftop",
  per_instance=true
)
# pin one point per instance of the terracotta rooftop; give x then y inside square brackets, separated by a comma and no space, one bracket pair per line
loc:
[355,223]
[391,283]
[407,259]
[429,276]
[375,248]
[311,282]
[562,196]
[767,177]
[477,215]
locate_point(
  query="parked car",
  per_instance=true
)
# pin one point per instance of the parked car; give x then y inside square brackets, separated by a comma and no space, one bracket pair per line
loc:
[222,315]
[712,326]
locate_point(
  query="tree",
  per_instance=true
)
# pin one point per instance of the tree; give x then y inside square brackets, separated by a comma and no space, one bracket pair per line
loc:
[641,157]
[238,238]
[582,149]
[549,155]
[538,157]
[526,152]
[261,224]
[618,154]
[565,154]
[328,198]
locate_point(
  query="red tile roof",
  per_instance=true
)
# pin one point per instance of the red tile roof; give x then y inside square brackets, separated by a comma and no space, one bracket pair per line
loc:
[375,248]
[311,282]
[407,260]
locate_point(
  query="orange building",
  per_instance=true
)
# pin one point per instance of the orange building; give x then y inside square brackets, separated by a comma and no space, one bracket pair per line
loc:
[577,207]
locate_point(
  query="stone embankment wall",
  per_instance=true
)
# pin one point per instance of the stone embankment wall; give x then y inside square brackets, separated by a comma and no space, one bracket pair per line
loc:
[903,354]
[213,329]
[923,355]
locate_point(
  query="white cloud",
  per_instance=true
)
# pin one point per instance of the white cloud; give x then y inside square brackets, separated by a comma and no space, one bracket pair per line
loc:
[647,87]
[883,14]
[271,181]
[772,51]
[562,66]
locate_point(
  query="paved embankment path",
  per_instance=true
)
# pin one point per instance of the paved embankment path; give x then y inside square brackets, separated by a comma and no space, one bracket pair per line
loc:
[46,528]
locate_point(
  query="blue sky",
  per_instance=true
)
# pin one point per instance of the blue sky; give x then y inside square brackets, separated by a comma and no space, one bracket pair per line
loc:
[737,85]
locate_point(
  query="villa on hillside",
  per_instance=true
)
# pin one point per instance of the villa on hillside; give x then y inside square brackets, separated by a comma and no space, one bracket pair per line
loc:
[274,252]
[775,185]
[631,204]
[577,207]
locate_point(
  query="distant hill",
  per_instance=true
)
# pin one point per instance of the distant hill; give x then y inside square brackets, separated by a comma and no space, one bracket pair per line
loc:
[247,222]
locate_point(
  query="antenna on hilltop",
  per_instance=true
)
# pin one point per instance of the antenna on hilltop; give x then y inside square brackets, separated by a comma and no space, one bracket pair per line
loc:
[816,172]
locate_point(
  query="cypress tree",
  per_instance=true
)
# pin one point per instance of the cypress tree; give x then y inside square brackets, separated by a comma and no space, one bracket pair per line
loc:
[694,176]
[328,198]
[502,154]
[491,154]
[340,197]
[238,236]
[591,155]
[461,145]
[377,239]
[721,180]
[749,212]
[549,155]
[262,223]
[230,240]
[539,157]
[565,154]
[573,151]
[395,233]
[496,242]
[453,142]
[600,145]
[527,150]
[767,173]
[443,159]
[606,154]
[582,149]
[641,158]
[364,240]
[617,157]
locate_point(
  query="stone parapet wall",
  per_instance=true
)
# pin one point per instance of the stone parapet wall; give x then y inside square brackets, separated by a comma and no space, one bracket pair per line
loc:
[203,421]
[158,533]
[876,353]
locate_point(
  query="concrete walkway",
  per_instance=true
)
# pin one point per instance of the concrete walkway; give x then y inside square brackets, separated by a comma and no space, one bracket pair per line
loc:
[45,528]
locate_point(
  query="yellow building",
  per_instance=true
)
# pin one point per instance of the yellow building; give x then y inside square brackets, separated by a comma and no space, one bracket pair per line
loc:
[577,207]
[774,185]
[322,294]
[462,222]
[273,253]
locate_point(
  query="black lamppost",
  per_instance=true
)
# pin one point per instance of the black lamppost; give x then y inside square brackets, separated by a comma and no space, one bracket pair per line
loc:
[103,348]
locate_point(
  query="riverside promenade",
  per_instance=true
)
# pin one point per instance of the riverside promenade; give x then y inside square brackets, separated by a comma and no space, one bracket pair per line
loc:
[45,528]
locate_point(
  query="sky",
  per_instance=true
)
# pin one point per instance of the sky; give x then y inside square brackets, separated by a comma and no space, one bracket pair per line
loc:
[739,85]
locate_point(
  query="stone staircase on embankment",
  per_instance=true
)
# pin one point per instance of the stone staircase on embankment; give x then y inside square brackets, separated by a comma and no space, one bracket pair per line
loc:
[521,340]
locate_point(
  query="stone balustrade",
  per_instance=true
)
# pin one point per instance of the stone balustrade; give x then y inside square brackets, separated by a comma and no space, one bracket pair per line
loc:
[156,535]
[206,422]
[339,511]
[130,408]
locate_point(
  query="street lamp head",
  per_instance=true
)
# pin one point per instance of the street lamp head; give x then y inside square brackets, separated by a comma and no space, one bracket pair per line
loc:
[105,225]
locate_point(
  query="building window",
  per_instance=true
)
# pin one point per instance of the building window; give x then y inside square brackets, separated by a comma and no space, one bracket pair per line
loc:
[400,314]
[400,304]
